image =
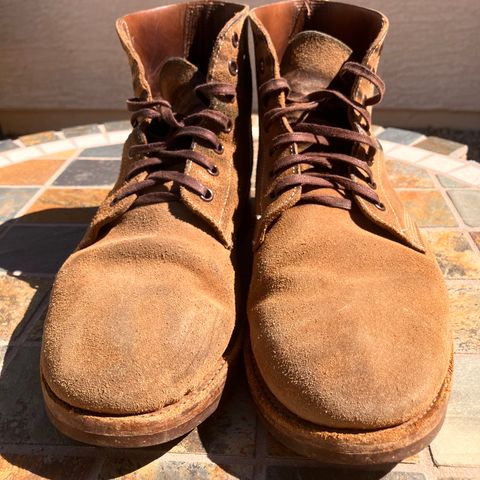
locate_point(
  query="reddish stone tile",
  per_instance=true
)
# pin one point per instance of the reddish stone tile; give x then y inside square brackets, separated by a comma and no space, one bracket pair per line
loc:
[126,468]
[404,175]
[38,138]
[476,238]
[454,255]
[64,205]
[464,315]
[12,200]
[31,172]
[59,155]
[428,208]
[19,299]
[29,467]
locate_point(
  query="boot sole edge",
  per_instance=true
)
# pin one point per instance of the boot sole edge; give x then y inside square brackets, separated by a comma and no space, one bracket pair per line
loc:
[344,447]
[142,430]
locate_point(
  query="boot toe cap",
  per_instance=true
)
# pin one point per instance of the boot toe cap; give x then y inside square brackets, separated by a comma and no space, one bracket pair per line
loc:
[130,344]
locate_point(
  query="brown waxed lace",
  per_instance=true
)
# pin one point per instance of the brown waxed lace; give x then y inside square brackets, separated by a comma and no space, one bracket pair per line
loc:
[158,158]
[313,135]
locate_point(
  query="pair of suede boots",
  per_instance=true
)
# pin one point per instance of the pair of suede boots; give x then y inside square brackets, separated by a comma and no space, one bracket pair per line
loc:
[348,347]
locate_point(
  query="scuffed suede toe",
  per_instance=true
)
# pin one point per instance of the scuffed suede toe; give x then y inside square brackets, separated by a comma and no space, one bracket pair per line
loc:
[156,326]
[356,345]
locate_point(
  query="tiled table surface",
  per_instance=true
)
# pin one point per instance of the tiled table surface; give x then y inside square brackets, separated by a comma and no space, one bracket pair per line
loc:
[50,184]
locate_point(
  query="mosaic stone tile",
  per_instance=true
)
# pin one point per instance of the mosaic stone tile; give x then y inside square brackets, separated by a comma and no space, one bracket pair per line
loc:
[428,208]
[465,315]
[388,146]
[441,163]
[36,249]
[107,151]
[30,467]
[22,154]
[59,146]
[63,155]
[320,472]
[397,135]
[120,125]
[405,175]
[87,141]
[476,238]
[89,172]
[81,130]
[7,145]
[119,137]
[31,172]
[469,173]
[22,415]
[467,202]
[229,431]
[19,299]
[65,205]
[37,138]
[12,200]
[454,254]
[444,146]
[406,153]
[450,182]
[137,469]
[458,443]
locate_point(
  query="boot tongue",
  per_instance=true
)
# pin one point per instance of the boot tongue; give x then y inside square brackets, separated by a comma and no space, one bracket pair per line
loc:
[177,81]
[312,60]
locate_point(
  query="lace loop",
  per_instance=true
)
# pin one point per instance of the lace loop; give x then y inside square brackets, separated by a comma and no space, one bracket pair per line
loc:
[162,160]
[322,165]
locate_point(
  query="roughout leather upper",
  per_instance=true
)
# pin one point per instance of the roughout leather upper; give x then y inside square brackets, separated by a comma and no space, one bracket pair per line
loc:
[143,312]
[347,309]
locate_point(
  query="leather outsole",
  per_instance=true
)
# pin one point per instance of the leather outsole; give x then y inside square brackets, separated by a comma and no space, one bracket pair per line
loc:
[136,431]
[345,447]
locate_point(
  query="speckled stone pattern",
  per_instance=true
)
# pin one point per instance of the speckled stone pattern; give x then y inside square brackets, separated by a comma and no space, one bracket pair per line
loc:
[50,186]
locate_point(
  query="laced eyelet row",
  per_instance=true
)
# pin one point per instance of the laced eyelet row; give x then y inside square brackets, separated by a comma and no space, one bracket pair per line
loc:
[313,135]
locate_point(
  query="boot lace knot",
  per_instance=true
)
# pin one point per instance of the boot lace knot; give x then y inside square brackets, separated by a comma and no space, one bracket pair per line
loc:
[171,136]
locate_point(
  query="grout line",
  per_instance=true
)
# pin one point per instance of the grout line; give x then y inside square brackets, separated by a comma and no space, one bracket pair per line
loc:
[42,190]
[464,228]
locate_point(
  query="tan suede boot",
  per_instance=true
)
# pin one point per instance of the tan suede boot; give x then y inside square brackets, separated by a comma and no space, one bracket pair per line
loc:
[349,359]
[141,328]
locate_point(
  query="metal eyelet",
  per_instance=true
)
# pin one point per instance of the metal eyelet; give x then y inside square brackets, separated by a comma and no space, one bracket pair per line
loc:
[235,39]
[219,148]
[213,171]
[232,67]
[261,66]
[207,196]
[229,127]
[380,206]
